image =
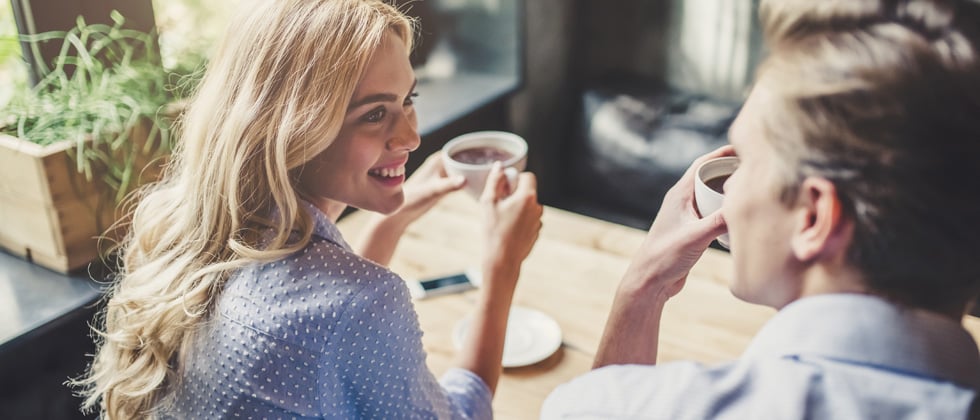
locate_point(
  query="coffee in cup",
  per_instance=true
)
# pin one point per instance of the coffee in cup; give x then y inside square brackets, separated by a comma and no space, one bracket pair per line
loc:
[481,155]
[717,184]
[709,184]
[472,155]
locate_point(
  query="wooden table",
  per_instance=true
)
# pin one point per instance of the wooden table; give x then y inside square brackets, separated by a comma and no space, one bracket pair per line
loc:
[570,275]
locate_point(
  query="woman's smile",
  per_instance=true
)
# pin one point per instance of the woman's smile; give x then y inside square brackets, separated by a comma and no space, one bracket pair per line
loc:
[389,176]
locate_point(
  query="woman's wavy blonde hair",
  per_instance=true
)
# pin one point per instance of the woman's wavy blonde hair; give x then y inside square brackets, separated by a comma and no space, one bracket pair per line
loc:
[274,96]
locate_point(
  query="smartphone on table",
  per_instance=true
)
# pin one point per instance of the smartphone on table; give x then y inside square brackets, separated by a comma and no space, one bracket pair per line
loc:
[443,285]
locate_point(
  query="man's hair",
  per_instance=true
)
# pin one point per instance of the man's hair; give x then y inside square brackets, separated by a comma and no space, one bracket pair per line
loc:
[882,98]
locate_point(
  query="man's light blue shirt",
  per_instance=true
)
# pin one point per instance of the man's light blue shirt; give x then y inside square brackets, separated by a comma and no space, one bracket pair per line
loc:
[840,356]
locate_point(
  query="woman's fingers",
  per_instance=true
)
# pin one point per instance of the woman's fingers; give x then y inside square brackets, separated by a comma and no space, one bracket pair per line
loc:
[493,191]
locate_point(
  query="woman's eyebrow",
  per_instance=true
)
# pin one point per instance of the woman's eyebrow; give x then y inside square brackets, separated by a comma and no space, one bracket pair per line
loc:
[377,97]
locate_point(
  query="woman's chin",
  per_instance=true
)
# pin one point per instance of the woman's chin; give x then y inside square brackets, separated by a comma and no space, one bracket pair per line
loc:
[389,205]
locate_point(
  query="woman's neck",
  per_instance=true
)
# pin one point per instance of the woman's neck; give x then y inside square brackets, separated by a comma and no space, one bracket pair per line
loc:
[333,209]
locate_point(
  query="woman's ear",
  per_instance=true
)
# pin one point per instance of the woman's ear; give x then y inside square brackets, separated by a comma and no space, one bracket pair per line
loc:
[820,229]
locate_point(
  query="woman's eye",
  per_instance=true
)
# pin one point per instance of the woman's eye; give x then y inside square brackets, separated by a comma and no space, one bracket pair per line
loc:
[410,100]
[375,115]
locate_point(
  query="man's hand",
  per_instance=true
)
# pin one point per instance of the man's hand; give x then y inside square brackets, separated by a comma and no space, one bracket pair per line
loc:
[658,271]
[677,238]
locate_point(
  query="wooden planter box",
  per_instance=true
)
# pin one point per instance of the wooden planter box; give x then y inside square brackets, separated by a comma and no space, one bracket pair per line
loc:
[49,213]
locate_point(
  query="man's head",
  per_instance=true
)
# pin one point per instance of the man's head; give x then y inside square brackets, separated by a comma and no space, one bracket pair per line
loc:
[877,104]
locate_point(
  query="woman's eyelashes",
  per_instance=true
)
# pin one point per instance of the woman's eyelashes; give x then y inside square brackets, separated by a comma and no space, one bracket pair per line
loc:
[410,99]
[375,115]
[379,113]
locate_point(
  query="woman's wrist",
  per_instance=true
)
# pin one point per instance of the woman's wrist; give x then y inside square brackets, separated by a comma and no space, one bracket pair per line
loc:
[394,222]
[500,277]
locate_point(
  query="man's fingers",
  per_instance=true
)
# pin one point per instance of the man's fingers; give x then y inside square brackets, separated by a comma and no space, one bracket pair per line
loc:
[726,150]
[709,227]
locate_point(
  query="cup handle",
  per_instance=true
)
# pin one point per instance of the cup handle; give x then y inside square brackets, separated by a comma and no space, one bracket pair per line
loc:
[511,175]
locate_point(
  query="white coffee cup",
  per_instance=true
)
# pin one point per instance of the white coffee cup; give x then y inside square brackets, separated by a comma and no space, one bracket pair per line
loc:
[709,199]
[478,150]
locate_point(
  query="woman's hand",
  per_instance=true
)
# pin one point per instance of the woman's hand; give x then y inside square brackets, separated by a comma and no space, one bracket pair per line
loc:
[425,188]
[512,219]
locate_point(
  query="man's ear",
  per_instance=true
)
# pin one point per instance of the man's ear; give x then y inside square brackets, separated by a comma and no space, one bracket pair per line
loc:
[820,229]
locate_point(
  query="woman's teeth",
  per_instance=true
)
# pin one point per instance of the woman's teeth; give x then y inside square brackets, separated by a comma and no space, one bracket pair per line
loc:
[388,172]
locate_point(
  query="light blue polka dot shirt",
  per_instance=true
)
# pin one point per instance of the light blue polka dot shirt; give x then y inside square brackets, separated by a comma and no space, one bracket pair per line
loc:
[323,333]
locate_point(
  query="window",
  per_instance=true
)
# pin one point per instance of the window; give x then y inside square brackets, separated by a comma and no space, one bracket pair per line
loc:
[468,54]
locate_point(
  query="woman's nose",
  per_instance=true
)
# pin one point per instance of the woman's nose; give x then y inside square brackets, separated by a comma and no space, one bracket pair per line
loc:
[406,135]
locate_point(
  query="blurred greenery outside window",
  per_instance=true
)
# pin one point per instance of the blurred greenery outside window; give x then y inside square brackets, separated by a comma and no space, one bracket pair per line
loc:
[190,26]
[13,70]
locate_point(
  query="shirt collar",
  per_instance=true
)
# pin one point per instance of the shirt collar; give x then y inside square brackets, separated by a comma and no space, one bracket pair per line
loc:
[868,330]
[323,227]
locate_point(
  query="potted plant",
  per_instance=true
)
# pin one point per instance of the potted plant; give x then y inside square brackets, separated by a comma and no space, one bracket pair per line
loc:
[96,126]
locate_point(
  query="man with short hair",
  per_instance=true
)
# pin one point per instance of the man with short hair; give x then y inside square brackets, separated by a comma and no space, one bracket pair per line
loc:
[855,211]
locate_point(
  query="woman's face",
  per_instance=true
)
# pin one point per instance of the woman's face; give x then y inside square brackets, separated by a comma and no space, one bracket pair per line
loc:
[365,165]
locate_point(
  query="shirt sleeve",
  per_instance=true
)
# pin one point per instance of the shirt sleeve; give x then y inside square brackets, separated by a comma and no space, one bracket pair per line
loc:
[467,392]
[379,362]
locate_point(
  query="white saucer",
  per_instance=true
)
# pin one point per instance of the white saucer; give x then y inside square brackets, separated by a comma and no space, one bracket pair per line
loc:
[532,336]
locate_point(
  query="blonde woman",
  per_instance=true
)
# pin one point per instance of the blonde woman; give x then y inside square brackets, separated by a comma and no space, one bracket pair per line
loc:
[238,297]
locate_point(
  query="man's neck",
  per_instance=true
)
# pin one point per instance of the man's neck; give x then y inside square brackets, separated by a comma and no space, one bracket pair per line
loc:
[831,278]
[839,278]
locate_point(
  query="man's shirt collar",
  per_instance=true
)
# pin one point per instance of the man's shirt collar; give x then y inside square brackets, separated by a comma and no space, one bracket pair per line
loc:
[867,330]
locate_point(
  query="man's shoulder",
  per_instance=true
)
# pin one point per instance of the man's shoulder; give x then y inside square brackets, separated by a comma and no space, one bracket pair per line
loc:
[782,386]
[658,391]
